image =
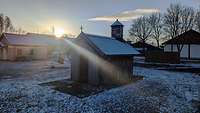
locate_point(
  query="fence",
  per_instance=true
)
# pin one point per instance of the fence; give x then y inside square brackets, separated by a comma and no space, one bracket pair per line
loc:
[162,57]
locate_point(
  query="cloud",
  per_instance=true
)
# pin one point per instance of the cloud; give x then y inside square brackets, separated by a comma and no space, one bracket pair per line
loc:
[126,15]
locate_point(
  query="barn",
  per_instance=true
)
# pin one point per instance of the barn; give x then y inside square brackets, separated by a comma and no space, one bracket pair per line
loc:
[102,60]
[188,42]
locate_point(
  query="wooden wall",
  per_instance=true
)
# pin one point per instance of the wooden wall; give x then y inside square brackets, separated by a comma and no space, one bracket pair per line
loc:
[122,71]
[83,67]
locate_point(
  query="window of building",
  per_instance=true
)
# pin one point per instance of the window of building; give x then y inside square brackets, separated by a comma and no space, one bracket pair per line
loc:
[32,52]
[19,52]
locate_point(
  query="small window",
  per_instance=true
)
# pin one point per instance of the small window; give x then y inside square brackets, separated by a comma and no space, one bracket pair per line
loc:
[19,52]
[32,52]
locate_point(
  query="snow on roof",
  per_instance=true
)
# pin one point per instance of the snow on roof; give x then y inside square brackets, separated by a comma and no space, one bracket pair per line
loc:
[16,39]
[117,23]
[45,38]
[111,46]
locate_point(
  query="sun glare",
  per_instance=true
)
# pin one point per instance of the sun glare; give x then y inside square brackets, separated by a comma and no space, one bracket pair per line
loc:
[59,32]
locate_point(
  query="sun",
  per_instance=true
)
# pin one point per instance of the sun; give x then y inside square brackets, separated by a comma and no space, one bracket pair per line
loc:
[59,32]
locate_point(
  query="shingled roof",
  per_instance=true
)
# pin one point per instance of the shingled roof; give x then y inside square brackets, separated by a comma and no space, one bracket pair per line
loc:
[189,37]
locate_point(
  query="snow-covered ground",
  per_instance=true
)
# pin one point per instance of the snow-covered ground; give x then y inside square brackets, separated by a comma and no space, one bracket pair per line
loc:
[35,71]
[160,91]
[184,63]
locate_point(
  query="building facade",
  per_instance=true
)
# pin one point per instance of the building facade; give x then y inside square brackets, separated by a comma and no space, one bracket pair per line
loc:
[28,46]
[188,42]
[101,60]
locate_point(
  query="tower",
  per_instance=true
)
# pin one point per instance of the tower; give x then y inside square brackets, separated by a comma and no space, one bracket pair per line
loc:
[117,30]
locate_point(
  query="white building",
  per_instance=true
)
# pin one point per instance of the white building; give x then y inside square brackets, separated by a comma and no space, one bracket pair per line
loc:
[29,46]
[189,42]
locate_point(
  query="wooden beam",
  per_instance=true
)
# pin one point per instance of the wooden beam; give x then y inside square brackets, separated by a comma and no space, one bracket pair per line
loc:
[171,47]
[189,52]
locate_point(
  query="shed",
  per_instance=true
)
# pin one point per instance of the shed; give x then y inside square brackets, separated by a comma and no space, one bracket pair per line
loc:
[101,60]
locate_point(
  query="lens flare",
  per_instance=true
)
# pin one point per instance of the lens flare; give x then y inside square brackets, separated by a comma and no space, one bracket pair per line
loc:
[59,32]
[106,66]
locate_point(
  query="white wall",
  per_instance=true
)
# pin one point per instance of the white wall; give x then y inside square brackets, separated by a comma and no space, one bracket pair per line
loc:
[40,52]
[4,54]
[184,52]
[195,51]
[167,48]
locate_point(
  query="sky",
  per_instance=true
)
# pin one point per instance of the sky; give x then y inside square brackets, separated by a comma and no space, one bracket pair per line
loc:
[95,16]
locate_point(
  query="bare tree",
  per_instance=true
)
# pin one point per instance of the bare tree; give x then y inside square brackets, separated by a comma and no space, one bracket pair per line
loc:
[141,29]
[187,23]
[12,29]
[7,24]
[172,20]
[178,19]
[187,19]
[19,31]
[156,25]
[197,20]
[1,23]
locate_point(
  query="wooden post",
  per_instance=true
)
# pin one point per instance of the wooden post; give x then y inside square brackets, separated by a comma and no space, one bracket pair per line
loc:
[171,47]
[189,51]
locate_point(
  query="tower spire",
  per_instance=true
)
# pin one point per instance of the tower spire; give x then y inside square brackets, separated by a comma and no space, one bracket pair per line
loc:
[81,28]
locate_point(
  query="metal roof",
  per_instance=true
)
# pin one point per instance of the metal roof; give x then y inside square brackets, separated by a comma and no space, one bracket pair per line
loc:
[110,46]
[117,23]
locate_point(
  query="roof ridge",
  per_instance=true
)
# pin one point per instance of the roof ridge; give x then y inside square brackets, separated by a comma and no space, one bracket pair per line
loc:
[39,34]
[100,36]
[181,37]
[14,34]
[191,30]
[117,23]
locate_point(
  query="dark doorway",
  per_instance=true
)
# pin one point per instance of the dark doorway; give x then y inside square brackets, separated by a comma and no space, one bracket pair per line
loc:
[83,69]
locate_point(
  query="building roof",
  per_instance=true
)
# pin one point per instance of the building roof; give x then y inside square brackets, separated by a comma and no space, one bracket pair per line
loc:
[110,46]
[189,37]
[30,39]
[140,44]
[45,39]
[117,23]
